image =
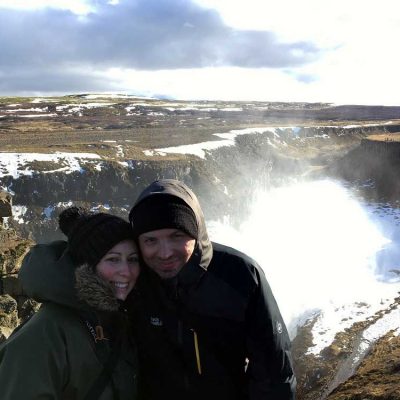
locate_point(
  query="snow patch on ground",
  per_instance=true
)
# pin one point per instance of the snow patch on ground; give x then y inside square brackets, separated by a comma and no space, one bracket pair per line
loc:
[338,318]
[28,110]
[120,151]
[17,164]
[115,96]
[157,152]
[41,100]
[36,115]
[200,149]
[80,107]
[18,213]
[389,322]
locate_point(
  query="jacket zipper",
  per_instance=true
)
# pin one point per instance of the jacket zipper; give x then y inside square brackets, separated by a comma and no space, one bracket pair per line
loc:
[195,341]
[180,341]
[197,351]
[180,333]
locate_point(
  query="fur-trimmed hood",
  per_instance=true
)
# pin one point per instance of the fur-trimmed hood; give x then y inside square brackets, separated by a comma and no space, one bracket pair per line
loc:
[94,291]
[47,274]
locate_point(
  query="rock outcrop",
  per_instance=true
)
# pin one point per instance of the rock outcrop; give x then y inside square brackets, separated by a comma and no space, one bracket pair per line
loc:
[5,206]
[378,377]
[351,367]
[14,305]
[376,160]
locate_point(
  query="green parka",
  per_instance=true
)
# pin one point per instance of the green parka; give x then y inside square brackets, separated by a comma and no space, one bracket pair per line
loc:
[61,351]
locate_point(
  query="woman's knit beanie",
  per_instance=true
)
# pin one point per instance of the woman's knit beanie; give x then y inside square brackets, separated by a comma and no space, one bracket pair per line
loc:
[161,211]
[92,235]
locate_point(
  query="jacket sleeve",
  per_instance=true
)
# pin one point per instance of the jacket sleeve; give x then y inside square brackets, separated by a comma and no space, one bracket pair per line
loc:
[33,363]
[270,372]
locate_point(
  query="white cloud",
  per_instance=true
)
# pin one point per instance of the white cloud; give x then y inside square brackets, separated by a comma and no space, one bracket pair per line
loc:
[360,64]
[265,50]
[79,7]
[325,22]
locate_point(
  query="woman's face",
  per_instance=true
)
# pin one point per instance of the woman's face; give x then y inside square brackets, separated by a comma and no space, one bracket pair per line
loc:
[120,267]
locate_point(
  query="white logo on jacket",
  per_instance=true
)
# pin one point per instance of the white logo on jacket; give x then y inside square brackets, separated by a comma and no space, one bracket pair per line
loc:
[156,321]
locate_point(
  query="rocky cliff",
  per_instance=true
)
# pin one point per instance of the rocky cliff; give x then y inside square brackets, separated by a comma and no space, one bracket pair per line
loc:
[225,178]
[357,365]
[377,160]
[377,378]
[14,306]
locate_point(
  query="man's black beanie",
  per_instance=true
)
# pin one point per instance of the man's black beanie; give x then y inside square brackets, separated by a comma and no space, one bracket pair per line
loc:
[162,211]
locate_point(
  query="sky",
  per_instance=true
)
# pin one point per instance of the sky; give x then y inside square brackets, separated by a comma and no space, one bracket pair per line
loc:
[335,51]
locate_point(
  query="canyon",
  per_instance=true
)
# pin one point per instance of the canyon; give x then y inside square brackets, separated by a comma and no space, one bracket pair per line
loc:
[100,151]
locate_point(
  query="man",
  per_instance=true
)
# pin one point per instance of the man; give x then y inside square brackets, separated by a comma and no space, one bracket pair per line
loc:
[207,324]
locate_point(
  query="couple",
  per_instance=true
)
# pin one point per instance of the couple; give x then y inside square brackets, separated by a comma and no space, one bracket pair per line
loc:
[177,317]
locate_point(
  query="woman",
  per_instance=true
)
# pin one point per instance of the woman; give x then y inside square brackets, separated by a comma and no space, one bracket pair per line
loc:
[78,345]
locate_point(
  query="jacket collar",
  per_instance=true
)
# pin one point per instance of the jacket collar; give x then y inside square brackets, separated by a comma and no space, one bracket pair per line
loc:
[94,291]
[192,272]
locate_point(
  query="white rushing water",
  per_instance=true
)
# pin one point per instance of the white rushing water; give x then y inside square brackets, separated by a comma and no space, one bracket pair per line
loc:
[323,251]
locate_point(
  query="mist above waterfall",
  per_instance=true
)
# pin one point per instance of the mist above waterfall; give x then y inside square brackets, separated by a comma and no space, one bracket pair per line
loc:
[318,245]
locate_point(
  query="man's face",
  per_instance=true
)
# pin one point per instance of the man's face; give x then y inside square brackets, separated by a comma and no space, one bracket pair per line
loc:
[166,251]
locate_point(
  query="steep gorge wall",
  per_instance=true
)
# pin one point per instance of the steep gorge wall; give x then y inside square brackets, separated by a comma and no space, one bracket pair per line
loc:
[376,161]
[224,182]
[39,197]
[386,149]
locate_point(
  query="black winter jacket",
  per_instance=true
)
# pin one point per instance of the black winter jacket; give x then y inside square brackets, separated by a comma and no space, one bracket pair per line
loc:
[213,332]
